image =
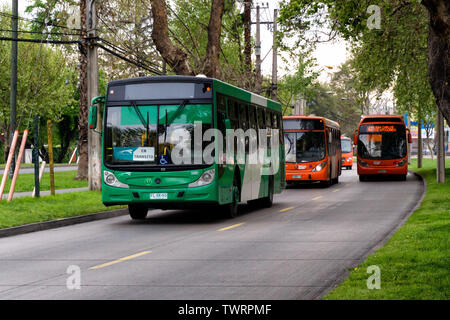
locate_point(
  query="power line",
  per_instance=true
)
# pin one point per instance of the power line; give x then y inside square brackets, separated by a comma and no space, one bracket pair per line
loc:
[43,41]
[136,63]
[8,15]
[42,33]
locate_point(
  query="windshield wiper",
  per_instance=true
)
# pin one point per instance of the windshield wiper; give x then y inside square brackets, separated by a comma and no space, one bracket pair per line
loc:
[177,112]
[141,118]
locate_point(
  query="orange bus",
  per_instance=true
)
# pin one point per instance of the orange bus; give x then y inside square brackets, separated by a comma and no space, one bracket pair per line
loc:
[347,153]
[382,146]
[313,150]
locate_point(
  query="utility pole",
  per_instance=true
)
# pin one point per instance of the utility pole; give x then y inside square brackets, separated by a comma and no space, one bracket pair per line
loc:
[13,83]
[258,51]
[247,37]
[440,167]
[258,80]
[94,139]
[275,58]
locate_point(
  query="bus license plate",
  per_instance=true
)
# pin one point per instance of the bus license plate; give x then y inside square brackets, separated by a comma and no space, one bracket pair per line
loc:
[382,171]
[297,176]
[158,196]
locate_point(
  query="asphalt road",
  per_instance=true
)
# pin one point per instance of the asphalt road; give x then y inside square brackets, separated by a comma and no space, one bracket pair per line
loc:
[297,249]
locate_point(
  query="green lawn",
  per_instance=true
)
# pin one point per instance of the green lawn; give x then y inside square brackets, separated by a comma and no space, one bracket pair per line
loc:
[415,263]
[63,180]
[28,210]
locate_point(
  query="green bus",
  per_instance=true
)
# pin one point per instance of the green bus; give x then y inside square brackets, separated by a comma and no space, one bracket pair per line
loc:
[175,142]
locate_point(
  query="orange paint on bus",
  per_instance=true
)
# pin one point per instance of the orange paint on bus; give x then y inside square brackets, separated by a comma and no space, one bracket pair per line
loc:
[324,132]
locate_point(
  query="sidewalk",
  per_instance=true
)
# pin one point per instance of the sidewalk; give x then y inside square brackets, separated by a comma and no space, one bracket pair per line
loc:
[44,193]
[59,167]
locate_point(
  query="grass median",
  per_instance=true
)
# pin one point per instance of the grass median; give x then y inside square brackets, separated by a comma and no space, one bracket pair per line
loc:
[27,210]
[414,264]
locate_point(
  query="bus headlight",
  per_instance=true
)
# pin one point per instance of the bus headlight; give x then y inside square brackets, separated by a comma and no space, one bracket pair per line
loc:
[401,163]
[111,180]
[206,178]
[319,167]
[363,163]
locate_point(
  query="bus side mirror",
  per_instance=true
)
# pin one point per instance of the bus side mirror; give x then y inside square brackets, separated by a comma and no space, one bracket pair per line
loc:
[92,117]
[92,120]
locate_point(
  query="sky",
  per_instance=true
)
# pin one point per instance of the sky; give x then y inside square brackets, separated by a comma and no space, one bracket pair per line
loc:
[327,54]
[331,54]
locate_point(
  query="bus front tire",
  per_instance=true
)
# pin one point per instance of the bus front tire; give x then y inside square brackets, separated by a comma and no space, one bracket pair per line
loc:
[137,212]
[230,210]
[362,177]
[267,202]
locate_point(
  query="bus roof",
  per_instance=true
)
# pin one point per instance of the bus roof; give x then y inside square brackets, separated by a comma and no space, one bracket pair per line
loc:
[218,84]
[328,122]
[382,118]
[161,79]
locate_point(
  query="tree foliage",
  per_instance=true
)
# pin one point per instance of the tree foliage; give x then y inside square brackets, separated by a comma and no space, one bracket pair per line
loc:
[396,56]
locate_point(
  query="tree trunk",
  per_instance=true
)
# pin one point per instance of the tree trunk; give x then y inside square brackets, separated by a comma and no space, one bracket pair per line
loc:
[211,65]
[176,58]
[419,144]
[438,53]
[83,113]
[247,36]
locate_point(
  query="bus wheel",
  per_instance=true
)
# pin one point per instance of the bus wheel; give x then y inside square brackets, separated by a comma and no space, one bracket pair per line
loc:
[362,177]
[137,212]
[231,210]
[336,180]
[267,202]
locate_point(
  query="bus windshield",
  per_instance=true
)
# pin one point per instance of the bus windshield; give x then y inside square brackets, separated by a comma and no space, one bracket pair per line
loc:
[148,135]
[346,146]
[304,146]
[382,141]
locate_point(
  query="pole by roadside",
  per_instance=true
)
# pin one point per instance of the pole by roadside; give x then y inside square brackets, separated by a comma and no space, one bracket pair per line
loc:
[50,157]
[440,166]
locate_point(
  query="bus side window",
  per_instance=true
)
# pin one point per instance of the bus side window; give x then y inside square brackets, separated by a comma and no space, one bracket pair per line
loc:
[252,116]
[243,117]
[221,115]
[233,114]
[261,119]
[268,119]
[279,125]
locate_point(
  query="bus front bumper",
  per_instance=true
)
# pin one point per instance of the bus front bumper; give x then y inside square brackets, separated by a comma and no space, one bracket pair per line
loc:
[306,176]
[382,170]
[163,198]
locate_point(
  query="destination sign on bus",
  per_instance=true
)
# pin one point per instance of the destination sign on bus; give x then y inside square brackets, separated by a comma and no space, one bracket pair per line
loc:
[379,128]
[382,129]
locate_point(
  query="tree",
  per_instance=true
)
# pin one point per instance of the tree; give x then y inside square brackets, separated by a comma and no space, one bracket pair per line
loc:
[399,54]
[175,56]
[43,89]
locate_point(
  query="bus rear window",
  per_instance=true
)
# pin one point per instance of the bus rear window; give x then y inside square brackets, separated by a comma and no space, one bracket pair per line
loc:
[303,124]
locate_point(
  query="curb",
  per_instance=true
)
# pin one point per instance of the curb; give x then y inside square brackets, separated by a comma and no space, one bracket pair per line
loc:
[52,224]
[344,275]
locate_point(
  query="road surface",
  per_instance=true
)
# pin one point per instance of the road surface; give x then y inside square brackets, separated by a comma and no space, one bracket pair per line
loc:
[298,249]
